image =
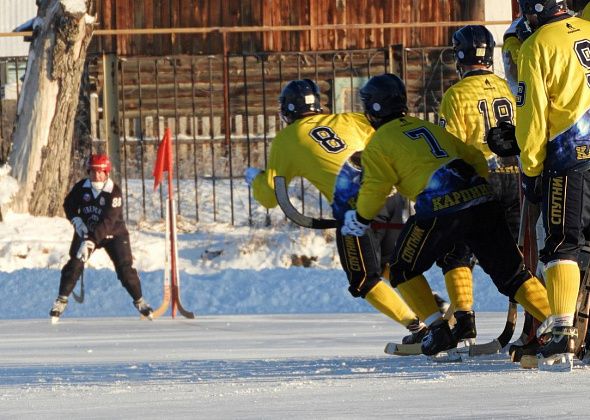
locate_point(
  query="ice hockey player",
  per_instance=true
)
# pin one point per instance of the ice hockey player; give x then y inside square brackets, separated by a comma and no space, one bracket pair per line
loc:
[323,148]
[553,113]
[469,108]
[446,179]
[94,206]
[514,36]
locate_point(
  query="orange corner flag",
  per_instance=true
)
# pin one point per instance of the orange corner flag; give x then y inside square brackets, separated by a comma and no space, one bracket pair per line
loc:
[164,158]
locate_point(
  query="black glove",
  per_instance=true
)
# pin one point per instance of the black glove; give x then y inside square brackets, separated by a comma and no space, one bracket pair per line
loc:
[532,188]
[502,140]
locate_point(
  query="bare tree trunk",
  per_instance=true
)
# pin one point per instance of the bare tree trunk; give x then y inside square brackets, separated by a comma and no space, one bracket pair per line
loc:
[42,137]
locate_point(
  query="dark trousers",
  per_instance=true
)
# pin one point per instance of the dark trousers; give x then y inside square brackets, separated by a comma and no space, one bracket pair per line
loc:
[364,258]
[119,251]
[566,215]
[482,228]
[506,189]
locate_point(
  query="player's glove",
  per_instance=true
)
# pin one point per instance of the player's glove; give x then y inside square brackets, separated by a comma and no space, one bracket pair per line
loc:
[502,140]
[80,227]
[251,173]
[86,248]
[531,187]
[352,226]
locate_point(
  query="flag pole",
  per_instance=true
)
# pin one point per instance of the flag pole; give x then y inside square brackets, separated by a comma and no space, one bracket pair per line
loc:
[172,219]
[171,277]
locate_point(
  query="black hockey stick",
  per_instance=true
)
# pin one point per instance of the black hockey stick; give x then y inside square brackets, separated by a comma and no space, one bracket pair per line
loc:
[497,344]
[282,195]
[80,298]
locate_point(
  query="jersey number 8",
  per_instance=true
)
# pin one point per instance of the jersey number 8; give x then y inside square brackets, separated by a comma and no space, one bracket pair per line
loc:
[328,139]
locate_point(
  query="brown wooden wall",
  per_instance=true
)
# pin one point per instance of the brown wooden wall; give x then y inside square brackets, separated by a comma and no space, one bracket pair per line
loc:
[127,14]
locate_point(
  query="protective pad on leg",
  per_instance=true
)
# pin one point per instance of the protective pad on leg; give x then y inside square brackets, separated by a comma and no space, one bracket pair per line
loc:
[532,295]
[418,294]
[387,301]
[459,282]
[563,282]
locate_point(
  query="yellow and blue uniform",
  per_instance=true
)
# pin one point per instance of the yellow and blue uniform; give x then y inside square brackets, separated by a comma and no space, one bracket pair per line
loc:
[474,104]
[469,108]
[454,203]
[319,148]
[553,133]
[419,169]
[315,148]
[553,103]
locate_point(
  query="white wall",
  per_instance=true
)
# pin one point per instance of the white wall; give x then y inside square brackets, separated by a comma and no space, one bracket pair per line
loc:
[498,10]
[12,14]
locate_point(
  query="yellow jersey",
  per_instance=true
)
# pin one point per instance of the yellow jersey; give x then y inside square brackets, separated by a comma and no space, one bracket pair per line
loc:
[473,105]
[553,101]
[426,164]
[314,147]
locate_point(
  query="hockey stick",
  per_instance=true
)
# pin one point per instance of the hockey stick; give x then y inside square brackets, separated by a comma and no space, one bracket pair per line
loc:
[80,298]
[583,309]
[497,344]
[282,195]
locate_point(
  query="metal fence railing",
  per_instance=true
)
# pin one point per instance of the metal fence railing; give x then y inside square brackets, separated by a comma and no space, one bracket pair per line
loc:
[222,111]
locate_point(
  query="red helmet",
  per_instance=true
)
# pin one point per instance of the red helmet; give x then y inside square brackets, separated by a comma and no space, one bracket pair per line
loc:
[99,162]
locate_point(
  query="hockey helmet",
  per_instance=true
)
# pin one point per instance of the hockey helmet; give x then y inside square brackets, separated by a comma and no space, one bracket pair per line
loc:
[473,44]
[543,9]
[99,162]
[384,99]
[299,98]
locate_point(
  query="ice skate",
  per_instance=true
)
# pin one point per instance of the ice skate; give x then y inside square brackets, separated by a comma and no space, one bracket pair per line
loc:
[418,330]
[557,354]
[144,308]
[464,331]
[59,306]
[440,344]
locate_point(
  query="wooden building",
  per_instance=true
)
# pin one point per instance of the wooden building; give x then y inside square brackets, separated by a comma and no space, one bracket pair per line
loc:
[243,14]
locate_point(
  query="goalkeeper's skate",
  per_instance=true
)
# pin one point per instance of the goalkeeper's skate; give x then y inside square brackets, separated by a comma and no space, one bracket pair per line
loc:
[59,306]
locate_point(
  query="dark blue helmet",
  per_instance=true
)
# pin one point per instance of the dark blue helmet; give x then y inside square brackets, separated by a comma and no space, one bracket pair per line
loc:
[473,44]
[384,99]
[299,98]
[543,9]
[523,29]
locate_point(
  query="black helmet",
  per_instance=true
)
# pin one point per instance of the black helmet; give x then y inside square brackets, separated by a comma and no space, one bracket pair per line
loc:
[384,99]
[523,29]
[543,9]
[473,44]
[299,97]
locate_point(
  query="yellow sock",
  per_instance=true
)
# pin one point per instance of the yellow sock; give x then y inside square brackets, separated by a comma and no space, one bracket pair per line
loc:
[563,283]
[532,295]
[459,282]
[385,300]
[418,294]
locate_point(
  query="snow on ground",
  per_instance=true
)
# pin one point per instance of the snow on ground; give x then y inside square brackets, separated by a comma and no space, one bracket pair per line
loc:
[271,340]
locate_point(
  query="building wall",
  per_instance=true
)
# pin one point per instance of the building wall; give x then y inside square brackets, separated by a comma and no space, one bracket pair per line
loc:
[121,14]
[12,14]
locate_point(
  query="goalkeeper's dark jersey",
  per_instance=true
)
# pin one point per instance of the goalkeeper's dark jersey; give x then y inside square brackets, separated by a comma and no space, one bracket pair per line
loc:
[102,213]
